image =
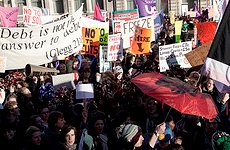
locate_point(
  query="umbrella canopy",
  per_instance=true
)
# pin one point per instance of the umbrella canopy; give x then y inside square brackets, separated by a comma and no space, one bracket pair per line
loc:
[179,95]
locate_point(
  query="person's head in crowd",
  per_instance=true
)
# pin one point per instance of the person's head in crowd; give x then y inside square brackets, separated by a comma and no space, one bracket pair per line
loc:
[52,105]
[68,136]
[97,123]
[12,112]
[26,92]
[118,72]
[44,113]
[8,134]
[32,137]
[193,78]
[35,120]
[211,125]
[11,97]
[175,147]
[151,106]
[56,121]
[165,142]
[209,85]
[130,135]
[62,68]
[178,140]
[76,64]
[170,122]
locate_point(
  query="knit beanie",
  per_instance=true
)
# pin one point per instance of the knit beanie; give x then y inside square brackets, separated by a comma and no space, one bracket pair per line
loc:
[127,132]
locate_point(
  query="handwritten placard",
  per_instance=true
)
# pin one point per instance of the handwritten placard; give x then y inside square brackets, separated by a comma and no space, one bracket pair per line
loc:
[197,56]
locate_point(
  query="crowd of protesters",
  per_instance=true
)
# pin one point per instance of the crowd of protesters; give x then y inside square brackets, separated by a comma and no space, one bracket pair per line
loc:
[34,116]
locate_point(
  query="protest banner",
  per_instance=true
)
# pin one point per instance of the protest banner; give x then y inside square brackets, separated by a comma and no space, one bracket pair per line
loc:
[104,64]
[41,44]
[115,49]
[206,31]
[63,80]
[141,41]
[123,15]
[2,64]
[197,56]
[84,91]
[128,29]
[174,54]
[9,16]
[178,27]
[32,15]
[90,40]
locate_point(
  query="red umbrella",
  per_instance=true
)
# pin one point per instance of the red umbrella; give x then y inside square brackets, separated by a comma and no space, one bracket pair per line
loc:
[177,94]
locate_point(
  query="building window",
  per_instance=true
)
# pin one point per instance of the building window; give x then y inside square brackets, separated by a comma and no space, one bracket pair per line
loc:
[58,6]
[36,3]
[77,4]
[130,5]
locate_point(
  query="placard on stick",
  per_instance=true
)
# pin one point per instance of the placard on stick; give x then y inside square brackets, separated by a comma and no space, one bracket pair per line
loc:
[197,56]
[84,91]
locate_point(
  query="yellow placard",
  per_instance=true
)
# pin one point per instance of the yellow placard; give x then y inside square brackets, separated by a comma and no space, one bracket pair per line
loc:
[91,37]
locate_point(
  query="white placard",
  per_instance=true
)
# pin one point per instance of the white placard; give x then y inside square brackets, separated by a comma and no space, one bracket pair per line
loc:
[84,91]
[63,80]
[32,15]
[104,65]
[115,49]
[174,54]
[41,44]
[128,29]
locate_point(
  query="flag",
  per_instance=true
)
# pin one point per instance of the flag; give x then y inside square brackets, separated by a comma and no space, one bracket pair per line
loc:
[146,7]
[8,16]
[97,13]
[158,22]
[217,64]
[195,8]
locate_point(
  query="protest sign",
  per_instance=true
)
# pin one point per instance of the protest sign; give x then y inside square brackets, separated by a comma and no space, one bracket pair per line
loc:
[172,17]
[115,49]
[104,32]
[123,15]
[41,44]
[178,27]
[141,41]
[197,56]
[128,29]
[84,91]
[32,15]
[174,54]
[206,31]
[104,64]
[63,80]
[90,40]
[2,64]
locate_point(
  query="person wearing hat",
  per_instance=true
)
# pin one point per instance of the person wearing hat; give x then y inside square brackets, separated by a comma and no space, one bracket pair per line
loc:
[130,136]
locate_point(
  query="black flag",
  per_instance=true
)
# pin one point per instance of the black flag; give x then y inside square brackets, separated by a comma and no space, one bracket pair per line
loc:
[217,64]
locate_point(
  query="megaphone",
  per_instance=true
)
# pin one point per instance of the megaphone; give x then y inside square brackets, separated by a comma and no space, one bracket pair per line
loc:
[31,70]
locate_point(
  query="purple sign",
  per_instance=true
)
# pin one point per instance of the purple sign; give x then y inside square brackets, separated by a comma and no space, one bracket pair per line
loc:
[146,7]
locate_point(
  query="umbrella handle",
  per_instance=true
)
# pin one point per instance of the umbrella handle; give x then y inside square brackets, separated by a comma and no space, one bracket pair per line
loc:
[167,114]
